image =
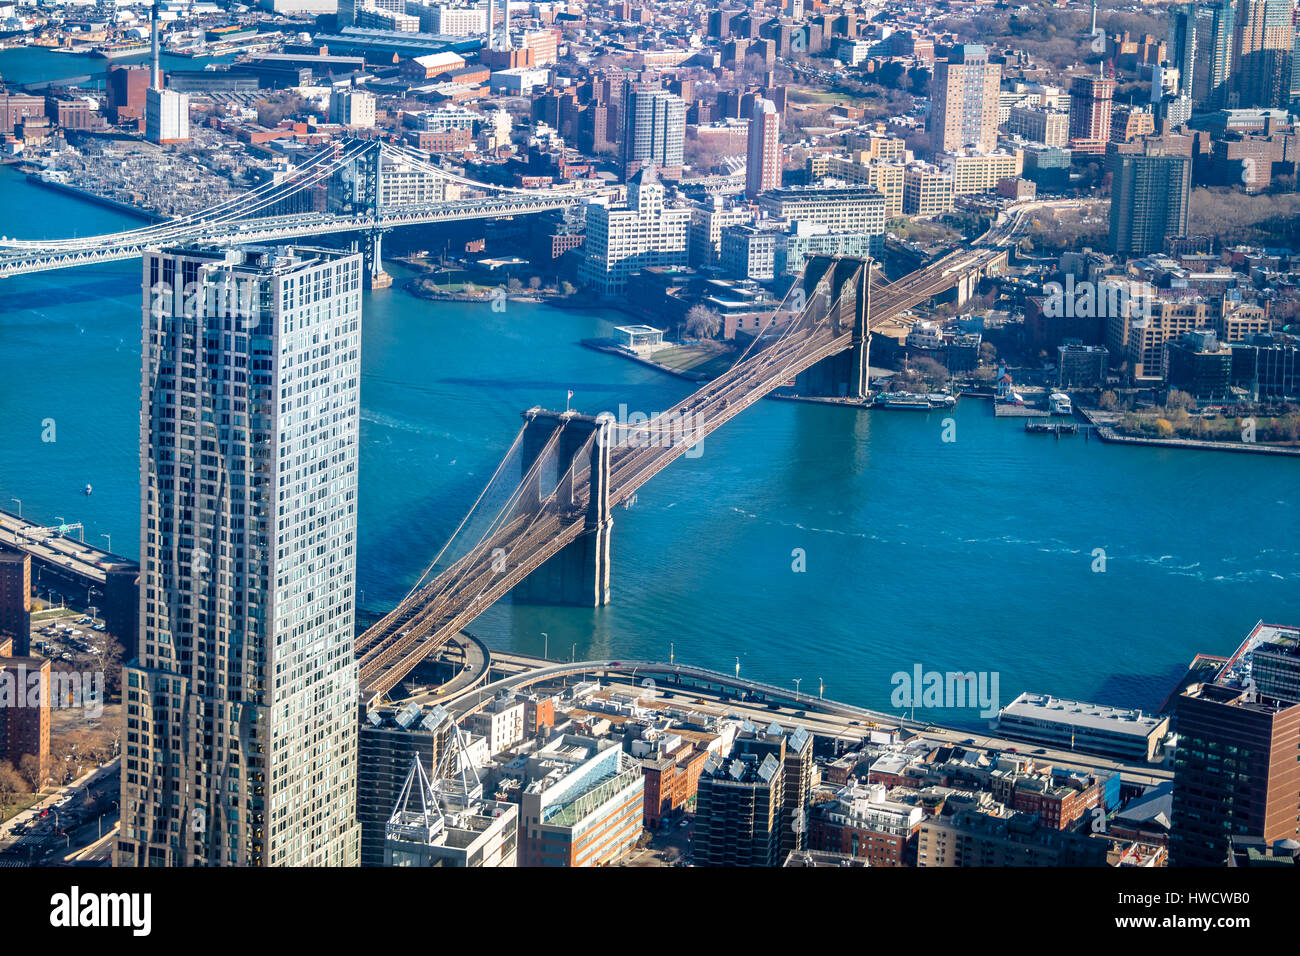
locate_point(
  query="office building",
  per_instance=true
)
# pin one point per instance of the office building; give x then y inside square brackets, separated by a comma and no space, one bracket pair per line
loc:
[167,116]
[444,820]
[1090,106]
[654,131]
[1181,44]
[1235,769]
[839,209]
[763,164]
[973,838]
[583,804]
[1200,365]
[972,173]
[1212,61]
[1149,196]
[1089,728]
[241,728]
[964,101]
[622,241]
[708,218]
[927,190]
[1039,124]
[794,751]
[390,740]
[1081,366]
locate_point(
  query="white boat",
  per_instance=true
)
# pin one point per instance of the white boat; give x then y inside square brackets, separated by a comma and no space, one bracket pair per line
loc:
[1059,404]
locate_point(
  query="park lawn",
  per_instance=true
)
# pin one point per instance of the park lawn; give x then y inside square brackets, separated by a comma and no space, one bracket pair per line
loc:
[23,801]
[707,357]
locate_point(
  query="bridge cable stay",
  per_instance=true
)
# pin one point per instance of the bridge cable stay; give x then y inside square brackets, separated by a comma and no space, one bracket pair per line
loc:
[440,606]
[417,159]
[387,619]
[455,575]
[449,578]
[383,668]
[174,230]
[210,215]
[628,465]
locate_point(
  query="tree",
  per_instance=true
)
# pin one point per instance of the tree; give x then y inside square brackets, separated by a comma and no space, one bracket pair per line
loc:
[534,283]
[566,287]
[703,322]
[514,285]
[988,352]
[11,784]
[1109,401]
[1164,428]
[29,768]
[1179,399]
[930,370]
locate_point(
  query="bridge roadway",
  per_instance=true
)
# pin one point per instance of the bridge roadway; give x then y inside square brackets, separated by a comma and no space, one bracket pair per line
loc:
[425,620]
[19,261]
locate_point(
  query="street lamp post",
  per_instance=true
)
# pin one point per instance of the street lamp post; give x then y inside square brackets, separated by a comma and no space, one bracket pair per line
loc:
[672,651]
[796,689]
[737,668]
[546,646]
[110,542]
[20,505]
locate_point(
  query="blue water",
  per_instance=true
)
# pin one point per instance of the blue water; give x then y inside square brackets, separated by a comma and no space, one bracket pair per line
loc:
[39,65]
[974,555]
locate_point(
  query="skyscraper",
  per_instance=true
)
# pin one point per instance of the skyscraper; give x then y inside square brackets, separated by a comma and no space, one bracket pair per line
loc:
[1090,104]
[763,165]
[241,740]
[1235,769]
[1262,52]
[654,130]
[1148,198]
[964,101]
[1212,66]
[1183,22]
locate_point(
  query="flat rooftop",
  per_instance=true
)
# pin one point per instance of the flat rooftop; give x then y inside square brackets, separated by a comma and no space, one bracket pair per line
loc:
[1045,708]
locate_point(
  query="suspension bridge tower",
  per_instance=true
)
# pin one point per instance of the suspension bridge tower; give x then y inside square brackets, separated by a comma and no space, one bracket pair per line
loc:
[372,241]
[845,374]
[579,573]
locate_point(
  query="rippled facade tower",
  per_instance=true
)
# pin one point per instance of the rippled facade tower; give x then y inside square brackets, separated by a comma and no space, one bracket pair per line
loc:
[240,743]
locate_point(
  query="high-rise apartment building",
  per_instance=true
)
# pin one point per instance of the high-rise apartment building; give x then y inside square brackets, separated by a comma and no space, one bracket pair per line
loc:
[1090,104]
[1235,769]
[1212,61]
[964,101]
[654,130]
[16,600]
[763,164]
[352,108]
[1181,44]
[1148,198]
[739,810]
[1262,52]
[240,744]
